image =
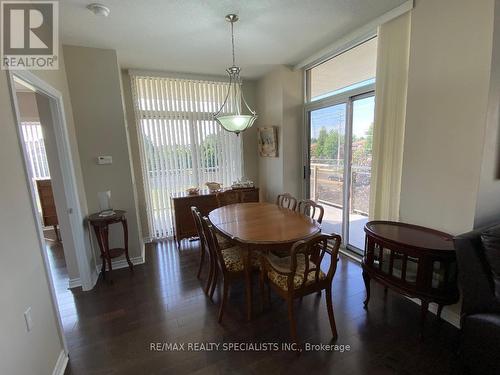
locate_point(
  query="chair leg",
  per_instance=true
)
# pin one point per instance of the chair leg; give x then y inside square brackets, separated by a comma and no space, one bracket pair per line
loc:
[268,293]
[210,274]
[214,282]
[202,259]
[293,323]
[262,289]
[224,298]
[331,316]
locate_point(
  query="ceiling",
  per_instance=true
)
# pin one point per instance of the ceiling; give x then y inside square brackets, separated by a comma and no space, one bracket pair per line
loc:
[192,36]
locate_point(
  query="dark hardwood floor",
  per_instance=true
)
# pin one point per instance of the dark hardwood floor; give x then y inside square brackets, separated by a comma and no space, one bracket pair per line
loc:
[110,329]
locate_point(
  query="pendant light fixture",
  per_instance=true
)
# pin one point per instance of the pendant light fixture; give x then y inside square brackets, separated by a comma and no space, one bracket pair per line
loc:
[229,115]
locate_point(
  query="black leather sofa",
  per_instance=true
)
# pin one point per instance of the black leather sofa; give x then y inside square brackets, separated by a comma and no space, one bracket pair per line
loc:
[478,257]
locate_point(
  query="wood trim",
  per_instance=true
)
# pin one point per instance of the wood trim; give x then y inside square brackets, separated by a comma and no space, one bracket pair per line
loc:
[61,363]
[116,263]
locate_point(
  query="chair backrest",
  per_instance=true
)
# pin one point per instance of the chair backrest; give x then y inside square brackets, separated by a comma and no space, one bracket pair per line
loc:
[286,200]
[199,225]
[212,243]
[312,209]
[312,253]
[228,197]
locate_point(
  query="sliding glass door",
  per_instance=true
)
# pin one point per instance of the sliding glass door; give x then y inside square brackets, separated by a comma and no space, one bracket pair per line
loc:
[327,151]
[339,157]
[360,168]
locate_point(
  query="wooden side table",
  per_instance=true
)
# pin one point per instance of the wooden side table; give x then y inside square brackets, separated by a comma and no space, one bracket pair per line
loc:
[415,261]
[101,229]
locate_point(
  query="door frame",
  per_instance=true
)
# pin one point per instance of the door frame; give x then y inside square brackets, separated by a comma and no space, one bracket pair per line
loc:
[346,98]
[74,211]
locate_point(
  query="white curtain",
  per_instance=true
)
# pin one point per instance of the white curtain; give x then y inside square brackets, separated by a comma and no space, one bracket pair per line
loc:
[180,144]
[390,116]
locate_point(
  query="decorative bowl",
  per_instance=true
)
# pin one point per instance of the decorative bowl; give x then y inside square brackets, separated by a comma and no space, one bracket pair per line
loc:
[193,191]
[213,186]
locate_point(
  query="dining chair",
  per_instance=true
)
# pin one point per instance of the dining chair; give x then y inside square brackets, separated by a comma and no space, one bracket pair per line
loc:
[229,262]
[312,209]
[223,243]
[203,247]
[228,197]
[286,200]
[300,274]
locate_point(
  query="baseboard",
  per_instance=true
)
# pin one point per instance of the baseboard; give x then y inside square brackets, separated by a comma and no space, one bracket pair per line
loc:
[62,362]
[74,283]
[447,314]
[122,263]
[116,264]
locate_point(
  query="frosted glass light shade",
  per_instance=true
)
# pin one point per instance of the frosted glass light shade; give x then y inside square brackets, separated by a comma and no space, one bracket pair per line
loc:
[236,123]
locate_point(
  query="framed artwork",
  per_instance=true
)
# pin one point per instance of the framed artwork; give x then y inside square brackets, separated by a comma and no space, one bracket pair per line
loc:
[268,141]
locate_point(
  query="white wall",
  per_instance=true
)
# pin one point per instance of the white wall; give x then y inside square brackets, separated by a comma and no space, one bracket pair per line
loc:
[27,106]
[448,80]
[94,85]
[23,281]
[488,202]
[279,99]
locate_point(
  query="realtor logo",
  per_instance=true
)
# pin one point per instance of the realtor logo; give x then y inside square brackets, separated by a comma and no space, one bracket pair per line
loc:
[29,35]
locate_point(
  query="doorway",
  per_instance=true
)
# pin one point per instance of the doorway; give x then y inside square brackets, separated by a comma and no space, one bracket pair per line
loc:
[50,114]
[35,147]
[339,155]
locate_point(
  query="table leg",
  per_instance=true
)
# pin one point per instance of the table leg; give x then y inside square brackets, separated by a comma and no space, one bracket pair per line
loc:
[366,279]
[98,235]
[125,239]
[439,311]
[58,236]
[423,314]
[248,281]
[105,241]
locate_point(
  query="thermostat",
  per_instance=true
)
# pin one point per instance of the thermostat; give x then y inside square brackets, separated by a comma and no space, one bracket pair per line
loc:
[104,160]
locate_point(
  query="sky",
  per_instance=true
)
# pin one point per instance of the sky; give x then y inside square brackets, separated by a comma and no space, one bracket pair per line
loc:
[334,117]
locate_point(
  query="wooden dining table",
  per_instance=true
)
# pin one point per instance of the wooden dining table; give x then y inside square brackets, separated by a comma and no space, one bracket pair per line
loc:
[261,227]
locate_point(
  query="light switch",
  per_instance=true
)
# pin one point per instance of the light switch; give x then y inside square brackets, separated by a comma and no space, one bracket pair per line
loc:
[28,320]
[104,159]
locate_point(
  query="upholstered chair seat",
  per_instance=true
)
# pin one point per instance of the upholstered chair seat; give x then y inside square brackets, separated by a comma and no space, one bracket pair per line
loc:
[233,259]
[281,280]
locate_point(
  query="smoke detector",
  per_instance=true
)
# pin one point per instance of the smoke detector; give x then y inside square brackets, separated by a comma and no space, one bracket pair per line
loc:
[99,9]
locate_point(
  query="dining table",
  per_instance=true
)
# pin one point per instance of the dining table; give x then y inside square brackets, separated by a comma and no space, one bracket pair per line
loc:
[261,227]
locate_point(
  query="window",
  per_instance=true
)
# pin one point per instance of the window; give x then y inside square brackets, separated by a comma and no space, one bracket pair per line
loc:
[351,69]
[35,147]
[180,144]
[339,146]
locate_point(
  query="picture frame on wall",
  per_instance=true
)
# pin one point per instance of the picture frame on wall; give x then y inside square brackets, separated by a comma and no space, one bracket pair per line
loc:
[268,141]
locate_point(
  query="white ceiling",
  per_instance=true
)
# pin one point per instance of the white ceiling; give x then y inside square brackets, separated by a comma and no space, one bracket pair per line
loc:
[192,36]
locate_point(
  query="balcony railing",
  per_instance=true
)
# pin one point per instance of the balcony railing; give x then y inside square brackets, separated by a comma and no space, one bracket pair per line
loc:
[327,184]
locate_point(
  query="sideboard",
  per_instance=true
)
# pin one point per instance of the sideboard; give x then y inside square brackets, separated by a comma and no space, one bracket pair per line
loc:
[184,226]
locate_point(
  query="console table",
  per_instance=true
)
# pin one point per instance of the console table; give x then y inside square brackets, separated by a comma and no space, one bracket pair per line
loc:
[101,228]
[416,261]
[205,201]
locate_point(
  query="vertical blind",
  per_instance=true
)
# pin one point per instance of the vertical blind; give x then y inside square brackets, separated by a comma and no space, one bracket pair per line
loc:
[35,147]
[180,144]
